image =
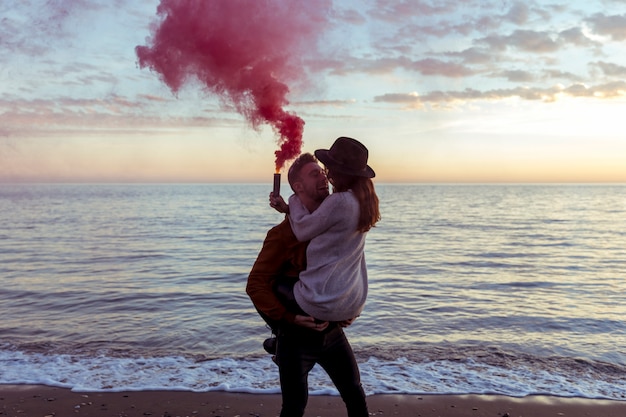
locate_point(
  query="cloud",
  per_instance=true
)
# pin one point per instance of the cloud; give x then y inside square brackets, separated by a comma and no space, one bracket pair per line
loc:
[325,103]
[21,117]
[613,26]
[552,74]
[524,40]
[539,42]
[549,11]
[398,10]
[32,29]
[518,13]
[610,90]
[575,36]
[426,66]
[549,94]
[473,55]
[517,75]
[526,76]
[349,16]
[610,69]
[151,97]
[494,40]
[431,66]
[415,32]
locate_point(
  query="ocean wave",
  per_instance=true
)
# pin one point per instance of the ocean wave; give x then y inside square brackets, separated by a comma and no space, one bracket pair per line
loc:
[478,372]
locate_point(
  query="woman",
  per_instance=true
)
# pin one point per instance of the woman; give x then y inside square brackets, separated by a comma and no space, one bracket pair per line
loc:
[333,287]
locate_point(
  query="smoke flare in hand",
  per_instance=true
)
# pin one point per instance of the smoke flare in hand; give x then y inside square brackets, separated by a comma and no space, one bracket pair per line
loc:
[245,51]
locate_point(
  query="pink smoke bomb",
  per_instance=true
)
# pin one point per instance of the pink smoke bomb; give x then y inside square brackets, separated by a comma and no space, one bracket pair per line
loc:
[276,184]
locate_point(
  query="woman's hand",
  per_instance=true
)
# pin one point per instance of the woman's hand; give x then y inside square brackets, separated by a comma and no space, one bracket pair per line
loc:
[346,323]
[278,204]
[310,323]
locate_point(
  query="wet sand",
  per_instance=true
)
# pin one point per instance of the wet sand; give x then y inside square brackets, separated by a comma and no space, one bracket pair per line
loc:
[43,401]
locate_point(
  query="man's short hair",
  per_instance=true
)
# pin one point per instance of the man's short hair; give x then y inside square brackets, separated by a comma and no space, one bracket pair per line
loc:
[293,175]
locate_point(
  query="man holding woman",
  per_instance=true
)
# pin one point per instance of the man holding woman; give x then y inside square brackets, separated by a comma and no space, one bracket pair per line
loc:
[326,287]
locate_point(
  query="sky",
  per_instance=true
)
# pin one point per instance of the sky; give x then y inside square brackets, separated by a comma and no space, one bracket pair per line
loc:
[459,91]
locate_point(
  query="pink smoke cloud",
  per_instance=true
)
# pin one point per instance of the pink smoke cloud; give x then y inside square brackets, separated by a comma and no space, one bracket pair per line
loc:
[247,52]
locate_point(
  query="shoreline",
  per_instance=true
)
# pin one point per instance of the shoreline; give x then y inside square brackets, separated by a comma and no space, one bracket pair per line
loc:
[41,400]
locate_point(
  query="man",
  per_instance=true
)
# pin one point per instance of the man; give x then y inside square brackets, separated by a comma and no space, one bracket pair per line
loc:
[301,341]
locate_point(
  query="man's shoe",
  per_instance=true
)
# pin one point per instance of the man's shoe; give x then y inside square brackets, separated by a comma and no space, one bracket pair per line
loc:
[270,345]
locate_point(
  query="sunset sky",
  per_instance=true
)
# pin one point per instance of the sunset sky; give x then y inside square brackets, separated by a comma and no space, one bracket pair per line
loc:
[439,91]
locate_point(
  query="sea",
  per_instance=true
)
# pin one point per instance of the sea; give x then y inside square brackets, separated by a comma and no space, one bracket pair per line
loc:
[511,289]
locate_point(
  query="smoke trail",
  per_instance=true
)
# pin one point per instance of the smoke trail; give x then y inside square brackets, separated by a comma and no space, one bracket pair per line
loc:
[245,51]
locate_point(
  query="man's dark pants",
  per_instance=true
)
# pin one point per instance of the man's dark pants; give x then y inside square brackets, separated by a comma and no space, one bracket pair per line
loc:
[299,349]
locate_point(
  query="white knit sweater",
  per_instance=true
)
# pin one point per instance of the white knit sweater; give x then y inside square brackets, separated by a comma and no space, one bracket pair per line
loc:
[334,285]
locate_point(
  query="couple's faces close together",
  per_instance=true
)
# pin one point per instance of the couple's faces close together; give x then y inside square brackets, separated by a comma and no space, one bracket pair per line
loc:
[314,181]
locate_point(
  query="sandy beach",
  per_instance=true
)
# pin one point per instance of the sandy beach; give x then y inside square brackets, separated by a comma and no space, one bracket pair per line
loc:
[43,401]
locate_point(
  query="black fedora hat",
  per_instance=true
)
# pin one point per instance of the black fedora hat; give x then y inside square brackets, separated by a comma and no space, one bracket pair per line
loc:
[346,156]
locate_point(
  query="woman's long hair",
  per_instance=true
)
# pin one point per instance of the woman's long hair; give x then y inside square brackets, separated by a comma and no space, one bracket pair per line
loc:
[363,190]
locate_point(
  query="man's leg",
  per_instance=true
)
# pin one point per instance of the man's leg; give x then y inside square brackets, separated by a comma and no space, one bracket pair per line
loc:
[295,360]
[339,362]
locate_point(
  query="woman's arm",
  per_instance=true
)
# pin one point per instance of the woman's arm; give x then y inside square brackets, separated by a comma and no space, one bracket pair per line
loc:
[307,225]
